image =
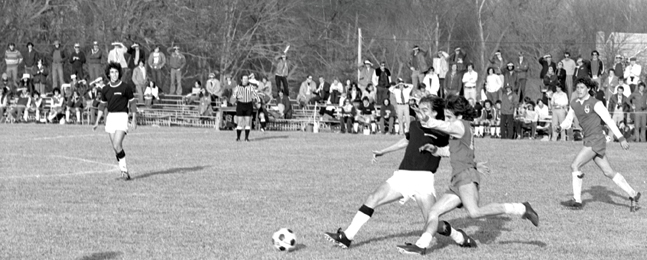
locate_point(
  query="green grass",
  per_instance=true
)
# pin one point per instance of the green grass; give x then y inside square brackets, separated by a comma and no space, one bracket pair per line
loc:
[197,194]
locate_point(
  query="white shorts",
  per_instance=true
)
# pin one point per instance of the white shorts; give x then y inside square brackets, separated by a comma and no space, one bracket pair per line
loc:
[117,122]
[412,183]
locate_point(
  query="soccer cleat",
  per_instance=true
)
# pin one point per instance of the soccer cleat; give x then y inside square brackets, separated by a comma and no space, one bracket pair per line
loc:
[247,140]
[237,139]
[411,249]
[338,238]
[125,176]
[469,242]
[573,204]
[530,214]
[634,203]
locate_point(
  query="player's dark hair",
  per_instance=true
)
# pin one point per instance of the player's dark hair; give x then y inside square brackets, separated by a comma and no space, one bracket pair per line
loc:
[113,65]
[437,104]
[460,106]
[587,82]
[488,101]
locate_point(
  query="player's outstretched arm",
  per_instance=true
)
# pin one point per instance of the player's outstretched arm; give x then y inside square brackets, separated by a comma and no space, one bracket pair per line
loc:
[602,111]
[397,146]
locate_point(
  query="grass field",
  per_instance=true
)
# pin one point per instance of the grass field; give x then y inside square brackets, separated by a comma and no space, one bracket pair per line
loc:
[197,194]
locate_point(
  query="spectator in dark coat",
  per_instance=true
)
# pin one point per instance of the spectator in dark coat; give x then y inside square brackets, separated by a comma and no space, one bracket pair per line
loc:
[77,59]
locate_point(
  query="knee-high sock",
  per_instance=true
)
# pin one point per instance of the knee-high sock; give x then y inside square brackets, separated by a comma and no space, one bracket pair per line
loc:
[238,131]
[363,215]
[514,208]
[445,229]
[121,158]
[577,186]
[247,129]
[622,183]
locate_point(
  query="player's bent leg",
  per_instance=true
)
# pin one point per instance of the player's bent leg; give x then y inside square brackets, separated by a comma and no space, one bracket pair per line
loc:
[619,180]
[444,228]
[469,196]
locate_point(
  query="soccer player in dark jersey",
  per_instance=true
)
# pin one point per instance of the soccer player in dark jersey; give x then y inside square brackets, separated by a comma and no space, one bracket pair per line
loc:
[464,185]
[590,112]
[414,179]
[244,96]
[119,98]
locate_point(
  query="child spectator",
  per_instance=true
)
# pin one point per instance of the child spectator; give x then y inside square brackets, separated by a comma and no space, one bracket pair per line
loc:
[76,104]
[488,116]
[387,114]
[347,116]
[34,106]
[529,120]
[56,110]
[151,94]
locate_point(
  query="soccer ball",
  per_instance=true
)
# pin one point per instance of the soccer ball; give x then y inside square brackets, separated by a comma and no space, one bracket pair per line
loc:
[284,239]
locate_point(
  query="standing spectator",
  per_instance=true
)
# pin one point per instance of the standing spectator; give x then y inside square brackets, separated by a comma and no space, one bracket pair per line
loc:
[569,67]
[40,77]
[432,82]
[493,85]
[550,84]
[561,74]
[459,58]
[281,75]
[632,74]
[213,87]
[402,94]
[453,81]
[323,90]
[59,56]
[30,59]
[336,92]
[509,103]
[618,107]
[136,55]
[559,104]
[387,115]
[12,59]
[582,70]
[139,79]
[523,69]
[95,60]
[610,82]
[619,67]
[497,63]
[418,65]
[383,82]
[151,94]
[116,55]
[347,118]
[597,67]
[546,61]
[306,91]
[511,78]
[442,67]
[469,82]
[366,74]
[177,63]
[156,61]
[638,100]
[77,59]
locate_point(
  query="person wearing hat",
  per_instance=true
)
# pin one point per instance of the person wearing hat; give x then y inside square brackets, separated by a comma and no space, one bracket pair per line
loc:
[59,56]
[95,60]
[402,94]
[12,58]
[366,74]
[281,74]
[177,63]
[632,73]
[30,59]
[26,83]
[459,58]
[77,59]
[569,66]
[136,54]
[418,65]
[156,61]
[213,87]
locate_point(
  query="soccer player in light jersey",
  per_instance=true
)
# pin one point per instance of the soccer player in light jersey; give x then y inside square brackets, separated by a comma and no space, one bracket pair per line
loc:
[590,112]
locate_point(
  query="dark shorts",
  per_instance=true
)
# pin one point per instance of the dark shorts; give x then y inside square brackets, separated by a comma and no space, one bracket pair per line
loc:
[598,144]
[465,177]
[244,109]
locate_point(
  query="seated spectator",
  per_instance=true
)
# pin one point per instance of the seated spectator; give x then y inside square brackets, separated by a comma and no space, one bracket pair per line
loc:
[306,92]
[40,77]
[5,83]
[369,93]
[5,95]
[26,83]
[354,94]
[366,114]
[322,91]
[151,94]
[56,109]
[487,119]
[387,115]
[347,116]
[74,104]
[336,91]
[265,90]
[205,108]
[542,110]
[195,93]
[284,106]
[17,113]
[34,106]
[528,120]
[80,85]
[214,88]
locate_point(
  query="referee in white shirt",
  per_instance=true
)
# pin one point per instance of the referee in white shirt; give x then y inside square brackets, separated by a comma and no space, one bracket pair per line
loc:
[244,96]
[402,94]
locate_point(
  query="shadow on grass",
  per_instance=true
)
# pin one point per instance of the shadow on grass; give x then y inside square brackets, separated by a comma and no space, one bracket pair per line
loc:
[102,256]
[602,194]
[298,247]
[171,171]
[531,243]
[377,239]
[270,137]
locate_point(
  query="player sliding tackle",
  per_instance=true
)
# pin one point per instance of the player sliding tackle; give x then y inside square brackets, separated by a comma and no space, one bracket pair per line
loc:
[464,187]
[414,179]
[591,113]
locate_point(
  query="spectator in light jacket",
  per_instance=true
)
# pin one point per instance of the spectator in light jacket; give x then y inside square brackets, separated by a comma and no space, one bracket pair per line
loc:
[139,79]
[213,87]
[469,82]
[156,61]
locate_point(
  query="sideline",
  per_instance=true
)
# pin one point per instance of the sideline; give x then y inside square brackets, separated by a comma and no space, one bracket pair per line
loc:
[103,134]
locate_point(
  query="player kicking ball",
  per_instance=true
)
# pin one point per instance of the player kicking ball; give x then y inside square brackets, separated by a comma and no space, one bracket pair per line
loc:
[591,113]
[464,187]
[414,179]
[118,97]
